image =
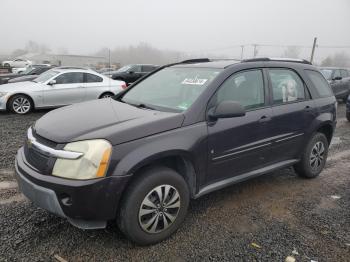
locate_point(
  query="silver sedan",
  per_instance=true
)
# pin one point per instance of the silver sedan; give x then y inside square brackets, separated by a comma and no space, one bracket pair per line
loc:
[57,87]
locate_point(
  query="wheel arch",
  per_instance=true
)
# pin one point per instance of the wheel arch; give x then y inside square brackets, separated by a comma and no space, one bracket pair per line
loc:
[326,129]
[179,161]
[15,94]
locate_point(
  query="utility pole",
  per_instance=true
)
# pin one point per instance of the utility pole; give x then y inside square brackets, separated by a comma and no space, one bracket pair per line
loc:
[109,57]
[255,50]
[242,46]
[313,50]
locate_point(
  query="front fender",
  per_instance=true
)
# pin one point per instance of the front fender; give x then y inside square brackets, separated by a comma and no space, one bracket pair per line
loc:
[188,142]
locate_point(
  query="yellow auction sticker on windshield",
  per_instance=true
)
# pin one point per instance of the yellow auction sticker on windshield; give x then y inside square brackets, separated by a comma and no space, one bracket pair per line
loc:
[194,81]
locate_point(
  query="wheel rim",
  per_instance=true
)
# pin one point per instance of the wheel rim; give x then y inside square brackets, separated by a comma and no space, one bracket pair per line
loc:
[159,209]
[317,155]
[21,105]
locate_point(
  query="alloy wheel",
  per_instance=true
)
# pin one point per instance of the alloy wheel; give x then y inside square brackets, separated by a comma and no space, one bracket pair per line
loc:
[317,155]
[159,209]
[21,105]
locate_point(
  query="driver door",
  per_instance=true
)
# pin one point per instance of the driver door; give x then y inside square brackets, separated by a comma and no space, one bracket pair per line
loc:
[68,89]
[238,145]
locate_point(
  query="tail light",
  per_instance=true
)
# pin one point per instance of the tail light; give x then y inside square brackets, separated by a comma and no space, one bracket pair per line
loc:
[124,86]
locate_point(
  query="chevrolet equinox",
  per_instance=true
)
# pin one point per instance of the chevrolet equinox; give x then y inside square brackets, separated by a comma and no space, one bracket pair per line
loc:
[181,132]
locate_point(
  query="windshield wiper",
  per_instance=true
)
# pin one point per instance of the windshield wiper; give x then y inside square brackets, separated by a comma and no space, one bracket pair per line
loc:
[140,105]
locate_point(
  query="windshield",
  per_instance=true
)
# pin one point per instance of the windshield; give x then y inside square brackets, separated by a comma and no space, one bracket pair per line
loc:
[45,76]
[124,68]
[327,73]
[171,89]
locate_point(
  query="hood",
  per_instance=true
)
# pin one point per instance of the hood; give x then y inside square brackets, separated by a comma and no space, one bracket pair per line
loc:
[104,118]
[23,78]
[20,86]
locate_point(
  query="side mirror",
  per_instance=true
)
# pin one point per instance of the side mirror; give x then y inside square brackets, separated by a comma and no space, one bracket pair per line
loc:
[337,78]
[227,109]
[52,82]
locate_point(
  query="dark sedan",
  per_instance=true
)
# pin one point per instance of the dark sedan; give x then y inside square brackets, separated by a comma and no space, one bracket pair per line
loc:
[29,74]
[131,73]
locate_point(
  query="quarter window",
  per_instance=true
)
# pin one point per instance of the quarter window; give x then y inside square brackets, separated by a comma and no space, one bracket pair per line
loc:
[246,88]
[70,78]
[286,86]
[320,83]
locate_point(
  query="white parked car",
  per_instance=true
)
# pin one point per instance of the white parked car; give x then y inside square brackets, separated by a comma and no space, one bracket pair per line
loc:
[57,87]
[17,63]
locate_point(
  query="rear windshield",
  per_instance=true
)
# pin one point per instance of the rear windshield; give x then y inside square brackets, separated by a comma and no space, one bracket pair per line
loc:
[172,89]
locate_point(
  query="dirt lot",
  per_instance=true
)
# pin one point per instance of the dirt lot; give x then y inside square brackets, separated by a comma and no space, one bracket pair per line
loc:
[264,219]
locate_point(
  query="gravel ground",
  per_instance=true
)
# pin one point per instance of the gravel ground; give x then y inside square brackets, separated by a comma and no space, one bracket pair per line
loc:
[265,219]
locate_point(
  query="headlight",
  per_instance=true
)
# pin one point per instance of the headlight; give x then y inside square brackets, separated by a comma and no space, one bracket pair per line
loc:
[3,94]
[93,164]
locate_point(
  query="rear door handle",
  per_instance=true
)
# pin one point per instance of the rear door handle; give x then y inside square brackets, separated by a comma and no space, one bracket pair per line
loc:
[264,119]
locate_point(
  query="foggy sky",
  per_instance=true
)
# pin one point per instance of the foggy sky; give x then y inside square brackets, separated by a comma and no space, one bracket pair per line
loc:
[84,26]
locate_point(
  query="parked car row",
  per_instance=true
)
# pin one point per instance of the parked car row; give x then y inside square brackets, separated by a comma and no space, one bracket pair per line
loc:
[30,73]
[57,87]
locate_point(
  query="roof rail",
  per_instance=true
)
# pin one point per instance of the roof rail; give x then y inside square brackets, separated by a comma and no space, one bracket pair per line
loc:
[197,60]
[265,59]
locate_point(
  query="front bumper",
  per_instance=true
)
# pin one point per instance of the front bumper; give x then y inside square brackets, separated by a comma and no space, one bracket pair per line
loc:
[87,204]
[3,102]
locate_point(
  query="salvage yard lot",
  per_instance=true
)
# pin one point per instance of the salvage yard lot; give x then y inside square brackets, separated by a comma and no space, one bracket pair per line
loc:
[267,218]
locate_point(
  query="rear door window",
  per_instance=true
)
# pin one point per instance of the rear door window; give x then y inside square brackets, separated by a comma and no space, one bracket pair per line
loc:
[336,73]
[287,86]
[90,78]
[320,83]
[344,73]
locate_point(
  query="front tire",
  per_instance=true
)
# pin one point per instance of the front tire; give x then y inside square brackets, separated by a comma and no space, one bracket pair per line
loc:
[154,207]
[20,104]
[314,157]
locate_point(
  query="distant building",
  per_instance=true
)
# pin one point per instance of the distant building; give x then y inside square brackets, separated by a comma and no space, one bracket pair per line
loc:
[65,60]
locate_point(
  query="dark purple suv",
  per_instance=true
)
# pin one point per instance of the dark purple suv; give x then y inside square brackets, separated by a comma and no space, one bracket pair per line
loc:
[181,132]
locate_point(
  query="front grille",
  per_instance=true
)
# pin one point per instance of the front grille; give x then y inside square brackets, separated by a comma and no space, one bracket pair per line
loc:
[38,161]
[42,163]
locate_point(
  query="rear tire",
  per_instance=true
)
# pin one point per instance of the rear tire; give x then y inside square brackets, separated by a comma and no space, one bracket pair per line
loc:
[154,206]
[314,157]
[106,95]
[20,104]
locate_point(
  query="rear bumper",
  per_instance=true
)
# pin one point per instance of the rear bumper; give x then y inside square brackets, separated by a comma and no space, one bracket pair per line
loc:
[87,204]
